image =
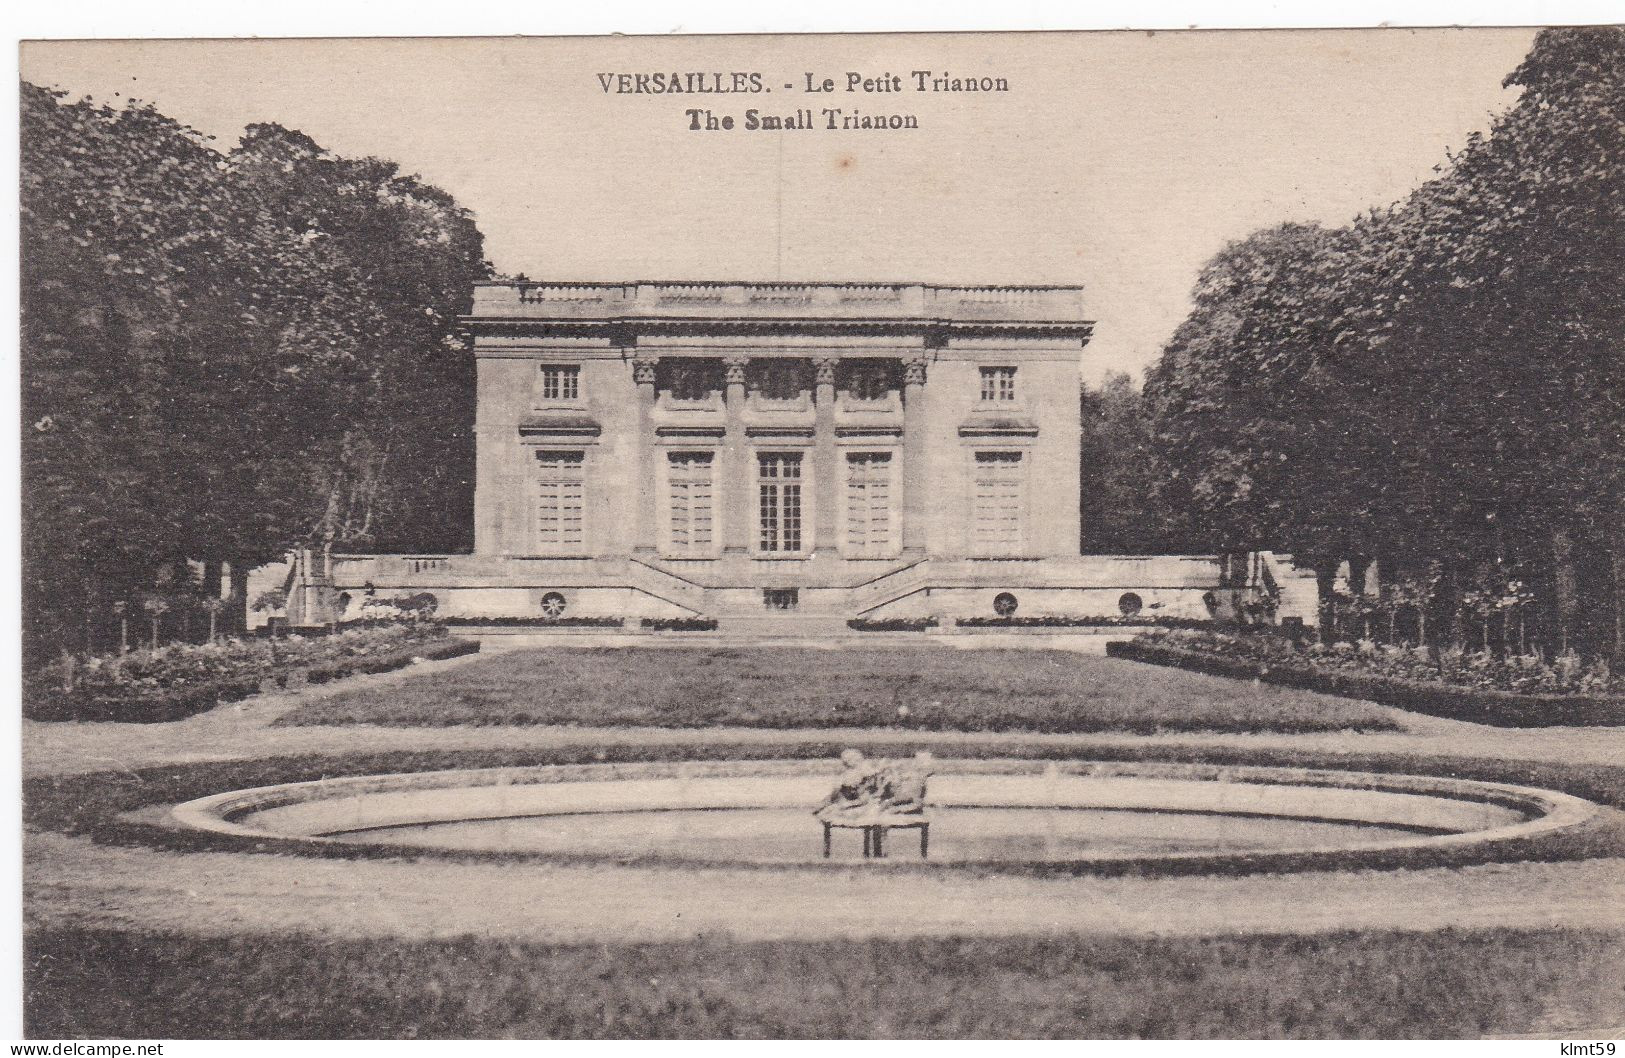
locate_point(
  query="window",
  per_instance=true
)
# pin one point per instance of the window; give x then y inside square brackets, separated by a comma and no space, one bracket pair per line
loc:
[868,503]
[560,488]
[692,502]
[999,500]
[998,383]
[778,379]
[561,382]
[692,380]
[868,381]
[781,598]
[778,488]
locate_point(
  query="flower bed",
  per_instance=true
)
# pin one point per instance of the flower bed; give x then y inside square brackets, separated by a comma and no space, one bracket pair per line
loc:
[680,624]
[535,622]
[891,624]
[1104,621]
[438,651]
[181,679]
[1508,693]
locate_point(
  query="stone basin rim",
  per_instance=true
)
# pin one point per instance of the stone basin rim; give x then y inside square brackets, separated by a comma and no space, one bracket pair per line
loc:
[1545,811]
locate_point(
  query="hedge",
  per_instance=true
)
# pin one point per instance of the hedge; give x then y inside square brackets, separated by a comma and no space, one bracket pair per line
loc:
[146,707]
[680,624]
[1480,705]
[534,622]
[1118,621]
[891,624]
[164,704]
[451,648]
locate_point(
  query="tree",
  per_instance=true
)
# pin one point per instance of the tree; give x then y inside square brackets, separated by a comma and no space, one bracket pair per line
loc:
[1119,473]
[221,353]
[1440,380]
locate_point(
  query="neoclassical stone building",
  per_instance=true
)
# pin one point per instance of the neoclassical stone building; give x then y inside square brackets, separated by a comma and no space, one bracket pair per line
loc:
[775,452]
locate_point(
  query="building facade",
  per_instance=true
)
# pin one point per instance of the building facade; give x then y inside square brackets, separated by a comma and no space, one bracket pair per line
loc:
[776,449]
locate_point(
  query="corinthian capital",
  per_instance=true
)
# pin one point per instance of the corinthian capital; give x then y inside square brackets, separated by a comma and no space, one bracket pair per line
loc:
[733,369]
[914,371]
[643,370]
[824,370]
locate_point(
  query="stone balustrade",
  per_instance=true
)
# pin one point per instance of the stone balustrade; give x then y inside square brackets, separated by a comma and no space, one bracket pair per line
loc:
[707,300]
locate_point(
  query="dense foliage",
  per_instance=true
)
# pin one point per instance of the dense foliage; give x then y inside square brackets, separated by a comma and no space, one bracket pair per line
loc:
[1122,512]
[225,355]
[1439,384]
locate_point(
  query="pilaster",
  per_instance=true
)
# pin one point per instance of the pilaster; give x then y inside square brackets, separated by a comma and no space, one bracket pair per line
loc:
[648,479]
[914,454]
[826,462]
[738,478]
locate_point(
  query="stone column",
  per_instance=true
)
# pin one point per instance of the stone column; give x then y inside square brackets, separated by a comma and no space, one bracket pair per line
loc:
[914,454]
[646,522]
[826,462]
[738,478]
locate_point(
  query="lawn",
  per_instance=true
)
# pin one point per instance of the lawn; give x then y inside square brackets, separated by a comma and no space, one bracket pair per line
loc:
[1372,985]
[781,687]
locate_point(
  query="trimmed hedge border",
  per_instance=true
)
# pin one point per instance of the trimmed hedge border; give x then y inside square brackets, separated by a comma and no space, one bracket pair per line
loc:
[1478,705]
[168,704]
[1083,622]
[95,805]
[532,622]
[440,651]
[891,624]
[679,624]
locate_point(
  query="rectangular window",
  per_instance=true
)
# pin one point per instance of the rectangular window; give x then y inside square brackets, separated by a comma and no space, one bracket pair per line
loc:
[560,500]
[868,503]
[868,380]
[561,383]
[691,380]
[692,496]
[781,598]
[999,503]
[778,490]
[778,380]
[998,383]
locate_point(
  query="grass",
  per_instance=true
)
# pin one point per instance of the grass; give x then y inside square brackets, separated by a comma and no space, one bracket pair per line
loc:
[1371,985]
[921,689]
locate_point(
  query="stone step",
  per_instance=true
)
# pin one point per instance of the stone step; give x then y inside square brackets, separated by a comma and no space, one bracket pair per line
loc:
[783,624]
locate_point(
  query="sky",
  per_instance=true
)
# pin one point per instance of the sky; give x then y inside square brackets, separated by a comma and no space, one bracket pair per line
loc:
[1117,161]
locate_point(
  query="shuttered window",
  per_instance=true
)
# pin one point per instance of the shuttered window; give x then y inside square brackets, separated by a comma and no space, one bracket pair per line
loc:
[560,500]
[692,496]
[868,503]
[999,503]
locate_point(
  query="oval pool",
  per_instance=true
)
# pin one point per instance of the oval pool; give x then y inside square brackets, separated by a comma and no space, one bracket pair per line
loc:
[982,811]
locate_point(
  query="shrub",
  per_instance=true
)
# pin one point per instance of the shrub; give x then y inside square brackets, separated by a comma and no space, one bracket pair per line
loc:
[680,624]
[1426,687]
[180,679]
[891,624]
[536,622]
[1103,621]
[451,648]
